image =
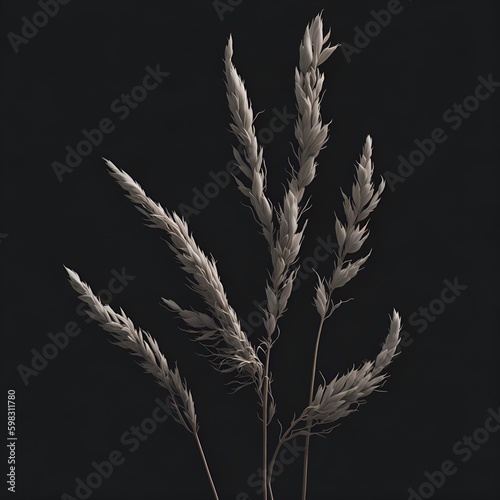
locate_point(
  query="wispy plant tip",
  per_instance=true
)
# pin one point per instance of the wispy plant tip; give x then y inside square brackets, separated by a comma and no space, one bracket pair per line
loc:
[140,343]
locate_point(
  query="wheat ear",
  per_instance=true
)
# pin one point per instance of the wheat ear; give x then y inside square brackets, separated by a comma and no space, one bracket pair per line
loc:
[141,344]
[221,330]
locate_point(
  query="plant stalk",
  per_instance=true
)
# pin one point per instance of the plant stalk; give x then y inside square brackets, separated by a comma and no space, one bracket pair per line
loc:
[311,395]
[264,423]
[206,466]
[284,438]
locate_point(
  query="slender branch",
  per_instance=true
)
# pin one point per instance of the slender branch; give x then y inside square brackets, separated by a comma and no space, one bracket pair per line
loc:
[206,465]
[311,397]
[283,439]
[265,422]
[141,344]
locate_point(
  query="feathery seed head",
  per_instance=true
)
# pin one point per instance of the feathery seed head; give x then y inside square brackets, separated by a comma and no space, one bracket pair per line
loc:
[238,355]
[343,394]
[141,344]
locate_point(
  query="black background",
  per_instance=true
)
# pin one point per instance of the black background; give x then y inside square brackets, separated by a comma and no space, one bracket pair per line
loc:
[440,223]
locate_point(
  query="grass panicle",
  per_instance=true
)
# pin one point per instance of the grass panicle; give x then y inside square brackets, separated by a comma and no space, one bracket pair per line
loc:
[141,344]
[221,326]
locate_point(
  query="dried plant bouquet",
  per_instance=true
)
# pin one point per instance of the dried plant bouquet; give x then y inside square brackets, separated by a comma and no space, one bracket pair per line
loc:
[217,326]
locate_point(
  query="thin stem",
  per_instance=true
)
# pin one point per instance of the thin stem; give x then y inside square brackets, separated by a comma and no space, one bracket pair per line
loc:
[264,420]
[281,442]
[206,465]
[311,396]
